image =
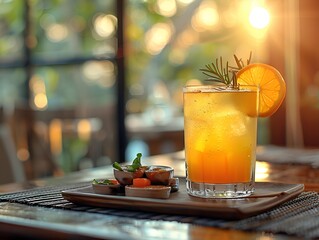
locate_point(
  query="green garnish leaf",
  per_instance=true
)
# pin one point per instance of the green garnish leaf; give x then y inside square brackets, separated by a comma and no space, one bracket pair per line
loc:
[240,64]
[137,160]
[130,168]
[95,181]
[117,166]
[219,73]
[105,182]
[136,163]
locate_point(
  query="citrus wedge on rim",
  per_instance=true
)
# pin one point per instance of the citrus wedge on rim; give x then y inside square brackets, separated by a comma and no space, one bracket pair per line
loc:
[271,84]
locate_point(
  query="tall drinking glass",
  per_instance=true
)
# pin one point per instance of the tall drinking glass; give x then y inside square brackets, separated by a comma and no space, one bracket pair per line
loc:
[220,140]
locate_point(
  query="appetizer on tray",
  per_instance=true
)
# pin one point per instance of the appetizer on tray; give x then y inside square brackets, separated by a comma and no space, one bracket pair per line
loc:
[136,180]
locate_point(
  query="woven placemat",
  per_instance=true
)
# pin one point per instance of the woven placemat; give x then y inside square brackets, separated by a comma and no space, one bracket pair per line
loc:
[297,217]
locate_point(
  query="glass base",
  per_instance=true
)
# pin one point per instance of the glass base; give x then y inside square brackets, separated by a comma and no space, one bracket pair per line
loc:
[207,190]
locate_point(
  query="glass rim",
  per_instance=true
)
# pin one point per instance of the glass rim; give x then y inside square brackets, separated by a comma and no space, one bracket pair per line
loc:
[219,87]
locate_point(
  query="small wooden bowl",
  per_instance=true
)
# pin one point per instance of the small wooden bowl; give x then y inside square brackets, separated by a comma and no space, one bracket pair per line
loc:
[105,188]
[159,175]
[153,191]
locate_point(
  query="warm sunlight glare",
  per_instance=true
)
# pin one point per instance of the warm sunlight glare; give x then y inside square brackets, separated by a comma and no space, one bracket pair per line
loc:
[166,8]
[185,2]
[105,25]
[99,72]
[206,17]
[259,17]
[84,129]
[38,90]
[41,100]
[157,38]
[262,171]
[57,32]
[55,134]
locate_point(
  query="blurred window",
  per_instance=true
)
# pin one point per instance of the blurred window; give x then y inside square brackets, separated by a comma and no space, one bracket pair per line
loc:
[59,79]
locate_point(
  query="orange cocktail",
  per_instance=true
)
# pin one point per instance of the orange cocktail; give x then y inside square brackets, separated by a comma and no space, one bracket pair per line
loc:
[220,139]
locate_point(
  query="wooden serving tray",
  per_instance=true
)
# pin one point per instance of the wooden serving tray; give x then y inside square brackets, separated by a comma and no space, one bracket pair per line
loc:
[267,195]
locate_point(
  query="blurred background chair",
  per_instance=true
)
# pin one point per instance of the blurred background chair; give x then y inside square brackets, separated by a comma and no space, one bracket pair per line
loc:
[11,168]
[59,141]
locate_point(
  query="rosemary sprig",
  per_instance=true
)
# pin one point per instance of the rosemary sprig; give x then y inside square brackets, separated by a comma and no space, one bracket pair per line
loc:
[217,72]
[240,63]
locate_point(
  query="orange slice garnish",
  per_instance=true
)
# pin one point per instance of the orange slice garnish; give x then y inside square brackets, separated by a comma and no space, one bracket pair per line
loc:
[271,84]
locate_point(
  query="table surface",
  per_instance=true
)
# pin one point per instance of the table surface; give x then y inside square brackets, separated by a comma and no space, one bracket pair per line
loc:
[19,220]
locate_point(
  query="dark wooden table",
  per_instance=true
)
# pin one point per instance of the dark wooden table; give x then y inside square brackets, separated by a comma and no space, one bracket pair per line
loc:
[33,222]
